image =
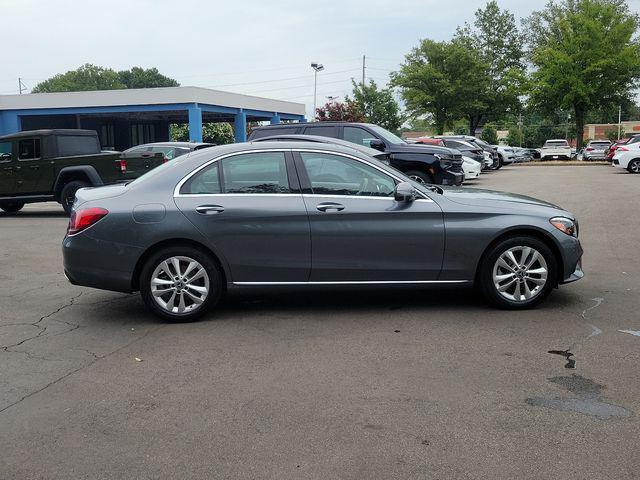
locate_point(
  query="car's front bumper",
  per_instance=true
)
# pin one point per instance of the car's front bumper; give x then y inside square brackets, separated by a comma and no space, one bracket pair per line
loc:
[447,177]
[572,260]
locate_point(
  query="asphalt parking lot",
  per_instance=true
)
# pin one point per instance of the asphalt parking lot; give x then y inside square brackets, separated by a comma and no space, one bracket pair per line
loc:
[360,385]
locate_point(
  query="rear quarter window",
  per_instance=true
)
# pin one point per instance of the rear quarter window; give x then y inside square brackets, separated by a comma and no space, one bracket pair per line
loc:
[69,145]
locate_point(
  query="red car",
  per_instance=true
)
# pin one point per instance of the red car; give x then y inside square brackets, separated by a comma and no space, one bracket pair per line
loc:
[612,149]
[429,141]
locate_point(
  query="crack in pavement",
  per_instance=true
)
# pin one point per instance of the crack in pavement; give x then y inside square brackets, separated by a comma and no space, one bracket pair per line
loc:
[38,325]
[68,374]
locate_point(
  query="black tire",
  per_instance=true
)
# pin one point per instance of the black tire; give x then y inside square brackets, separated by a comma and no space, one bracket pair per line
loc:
[500,163]
[425,177]
[11,207]
[634,166]
[485,274]
[211,267]
[68,194]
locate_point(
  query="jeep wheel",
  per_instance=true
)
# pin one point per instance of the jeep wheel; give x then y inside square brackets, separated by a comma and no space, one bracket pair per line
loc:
[11,207]
[68,194]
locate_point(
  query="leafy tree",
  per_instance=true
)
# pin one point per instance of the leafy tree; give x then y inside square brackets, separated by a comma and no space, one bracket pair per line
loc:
[347,111]
[514,137]
[489,134]
[91,77]
[495,36]
[586,54]
[87,77]
[612,134]
[461,127]
[441,79]
[218,133]
[377,105]
[139,77]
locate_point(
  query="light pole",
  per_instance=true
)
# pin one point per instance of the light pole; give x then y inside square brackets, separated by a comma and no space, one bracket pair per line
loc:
[317,67]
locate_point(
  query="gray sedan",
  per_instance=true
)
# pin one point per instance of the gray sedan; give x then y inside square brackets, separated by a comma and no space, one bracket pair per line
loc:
[300,214]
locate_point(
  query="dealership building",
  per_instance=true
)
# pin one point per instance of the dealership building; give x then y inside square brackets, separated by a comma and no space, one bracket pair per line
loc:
[124,118]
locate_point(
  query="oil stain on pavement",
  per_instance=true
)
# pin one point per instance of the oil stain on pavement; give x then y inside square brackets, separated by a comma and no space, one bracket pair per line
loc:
[586,398]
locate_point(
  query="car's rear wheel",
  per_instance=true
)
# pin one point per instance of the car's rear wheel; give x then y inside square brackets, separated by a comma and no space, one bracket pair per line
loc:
[11,207]
[518,273]
[634,166]
[180,283]
[68,194]
[420,177]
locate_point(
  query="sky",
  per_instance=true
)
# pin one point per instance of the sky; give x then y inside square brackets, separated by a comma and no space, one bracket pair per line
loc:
[255,47]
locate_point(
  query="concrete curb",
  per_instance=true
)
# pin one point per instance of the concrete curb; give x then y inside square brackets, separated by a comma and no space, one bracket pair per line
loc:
[567,163]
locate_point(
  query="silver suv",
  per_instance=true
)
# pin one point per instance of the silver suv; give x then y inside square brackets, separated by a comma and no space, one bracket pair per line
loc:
[596,150]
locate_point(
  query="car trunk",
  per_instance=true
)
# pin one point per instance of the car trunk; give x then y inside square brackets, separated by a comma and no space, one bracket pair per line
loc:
[135,164]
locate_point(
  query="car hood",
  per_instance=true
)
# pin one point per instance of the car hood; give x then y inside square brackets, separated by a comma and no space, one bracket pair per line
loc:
[491,198]
[97,193]
[420,148]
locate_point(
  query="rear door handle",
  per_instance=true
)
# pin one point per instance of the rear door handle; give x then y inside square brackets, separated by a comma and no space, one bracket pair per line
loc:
[209,209]
[330,206]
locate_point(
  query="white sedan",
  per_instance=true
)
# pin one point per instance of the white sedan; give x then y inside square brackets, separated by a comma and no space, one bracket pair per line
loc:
[471,168]
[628,156]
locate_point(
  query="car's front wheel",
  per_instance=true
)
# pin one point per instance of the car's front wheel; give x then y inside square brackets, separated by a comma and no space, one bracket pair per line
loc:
[11,207]
[518,273]
[180,283]
[420,177]
[634,166]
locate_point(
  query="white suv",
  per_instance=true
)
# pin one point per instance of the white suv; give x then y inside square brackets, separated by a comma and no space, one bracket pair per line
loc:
[628,156]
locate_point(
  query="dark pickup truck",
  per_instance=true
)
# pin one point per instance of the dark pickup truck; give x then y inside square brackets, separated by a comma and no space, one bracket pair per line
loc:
[422,163]
[51,165]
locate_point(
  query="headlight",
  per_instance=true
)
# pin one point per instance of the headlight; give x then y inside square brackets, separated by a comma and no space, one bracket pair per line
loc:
[565,225]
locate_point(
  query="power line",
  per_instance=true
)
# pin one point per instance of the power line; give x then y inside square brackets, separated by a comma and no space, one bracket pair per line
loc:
[278,79]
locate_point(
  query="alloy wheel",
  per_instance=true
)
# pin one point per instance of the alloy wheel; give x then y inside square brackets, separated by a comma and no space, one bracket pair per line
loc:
[180,285]
[417,179]
[634,166]
[520,273]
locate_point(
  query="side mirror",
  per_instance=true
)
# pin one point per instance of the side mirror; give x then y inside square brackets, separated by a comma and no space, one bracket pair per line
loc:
[377,144]
[405,192]
[5,156]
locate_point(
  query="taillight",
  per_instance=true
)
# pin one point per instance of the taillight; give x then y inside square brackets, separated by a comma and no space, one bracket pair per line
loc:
[589,149]
[121,164]
[83,219]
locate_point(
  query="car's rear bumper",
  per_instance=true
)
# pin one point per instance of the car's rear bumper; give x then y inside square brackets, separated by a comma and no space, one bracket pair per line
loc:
[96,263]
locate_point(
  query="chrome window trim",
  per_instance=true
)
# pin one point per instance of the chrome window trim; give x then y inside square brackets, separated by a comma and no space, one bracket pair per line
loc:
[358,282]
[177,194]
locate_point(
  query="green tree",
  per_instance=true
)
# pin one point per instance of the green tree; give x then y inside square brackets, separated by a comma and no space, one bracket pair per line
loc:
[441,79]
[586,56]
[87,77]
[495,36]
[489,134]
[514,137]
[218,133]
[377,105]
[612,134]
[91,77]
[347,111]
[139,77]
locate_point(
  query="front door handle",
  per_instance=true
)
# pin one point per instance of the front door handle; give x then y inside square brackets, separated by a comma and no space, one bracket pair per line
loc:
[209,209]
[8,168]
[330,207]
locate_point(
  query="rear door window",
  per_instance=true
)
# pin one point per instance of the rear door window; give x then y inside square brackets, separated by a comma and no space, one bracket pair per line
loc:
[70,145]
[264,172]
[29,149]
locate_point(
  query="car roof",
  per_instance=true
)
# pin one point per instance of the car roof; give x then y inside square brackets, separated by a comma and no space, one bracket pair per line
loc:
[319,139]
[50,131]
[313,124]
[191,145]
[557,140]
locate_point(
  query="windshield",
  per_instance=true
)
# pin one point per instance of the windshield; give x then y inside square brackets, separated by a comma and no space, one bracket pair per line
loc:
[387,135]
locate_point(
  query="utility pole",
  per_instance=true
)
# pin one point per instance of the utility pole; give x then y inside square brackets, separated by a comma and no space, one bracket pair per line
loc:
[317,67]
[520,128]
[363,70]
[619,121]
[21,85]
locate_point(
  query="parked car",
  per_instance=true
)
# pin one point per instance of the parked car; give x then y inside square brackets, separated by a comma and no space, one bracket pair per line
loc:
[247,215]
[556,149]
[472,158]
[523,154]
[137,160]
[422,163]
[50,165]
[506,153]
[628,156]
[492,159]
[595,150]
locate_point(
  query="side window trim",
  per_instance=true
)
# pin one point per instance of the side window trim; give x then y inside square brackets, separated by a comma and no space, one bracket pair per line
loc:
[34,140]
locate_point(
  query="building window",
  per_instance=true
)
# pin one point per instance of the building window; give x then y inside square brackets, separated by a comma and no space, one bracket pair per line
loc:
[142,133]
[107,136]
